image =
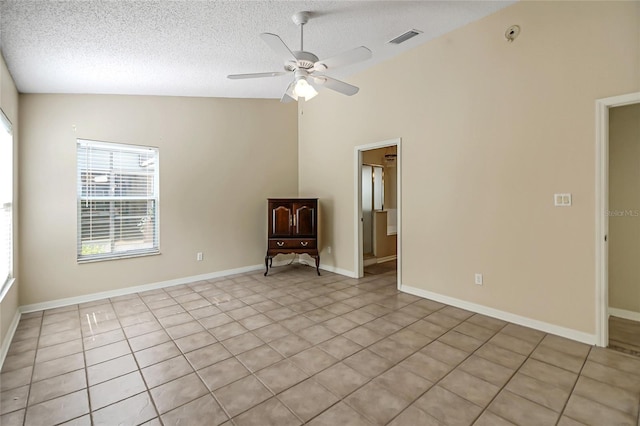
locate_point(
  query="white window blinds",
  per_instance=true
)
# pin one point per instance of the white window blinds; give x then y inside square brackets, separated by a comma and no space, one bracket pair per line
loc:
[118,189]
[6,201]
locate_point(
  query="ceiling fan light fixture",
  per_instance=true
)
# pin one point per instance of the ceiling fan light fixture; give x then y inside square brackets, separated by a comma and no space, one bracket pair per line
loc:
[303,89]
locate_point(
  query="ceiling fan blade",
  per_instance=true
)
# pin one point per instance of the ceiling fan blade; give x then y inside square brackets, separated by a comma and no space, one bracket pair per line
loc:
[257,75]
[345,58]
[278,46]
[337,85]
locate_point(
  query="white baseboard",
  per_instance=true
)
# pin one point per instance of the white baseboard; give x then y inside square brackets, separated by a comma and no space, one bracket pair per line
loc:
[622,313]
[387,258]
[569,333]
[6,342]
[135,289]
[370,261]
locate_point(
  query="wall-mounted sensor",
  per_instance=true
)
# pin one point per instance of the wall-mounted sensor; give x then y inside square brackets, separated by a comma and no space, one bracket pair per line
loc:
[512,33]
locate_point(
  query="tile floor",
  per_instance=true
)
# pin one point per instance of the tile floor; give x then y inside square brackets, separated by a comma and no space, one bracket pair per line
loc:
[295,348]
[624,335]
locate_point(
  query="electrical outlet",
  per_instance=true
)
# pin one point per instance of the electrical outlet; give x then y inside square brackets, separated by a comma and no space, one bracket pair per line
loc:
[199,256]
[329,249]
[478,279]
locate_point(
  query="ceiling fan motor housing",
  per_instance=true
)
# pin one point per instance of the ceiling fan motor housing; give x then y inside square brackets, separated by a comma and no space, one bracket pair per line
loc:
[305,60]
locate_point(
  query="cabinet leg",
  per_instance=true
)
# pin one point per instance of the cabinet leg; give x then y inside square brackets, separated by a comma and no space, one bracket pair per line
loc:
[318,264]
[266,265]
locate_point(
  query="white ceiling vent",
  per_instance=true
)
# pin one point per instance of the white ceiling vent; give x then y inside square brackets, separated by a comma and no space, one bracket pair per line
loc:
[405,36]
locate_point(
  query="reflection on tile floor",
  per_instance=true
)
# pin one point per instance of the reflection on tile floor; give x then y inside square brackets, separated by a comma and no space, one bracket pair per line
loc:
[295,348]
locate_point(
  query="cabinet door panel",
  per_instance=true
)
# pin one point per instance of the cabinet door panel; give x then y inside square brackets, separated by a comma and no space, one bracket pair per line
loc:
[281,219]
[305,219]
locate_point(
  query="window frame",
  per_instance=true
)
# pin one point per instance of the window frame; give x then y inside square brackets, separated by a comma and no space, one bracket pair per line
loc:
[115,173]
[7,282]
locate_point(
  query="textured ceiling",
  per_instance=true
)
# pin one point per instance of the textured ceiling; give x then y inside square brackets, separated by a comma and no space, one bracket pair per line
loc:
[187,48]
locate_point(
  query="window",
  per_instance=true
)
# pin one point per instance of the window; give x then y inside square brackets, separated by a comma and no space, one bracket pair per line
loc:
[117,200]
[6,201]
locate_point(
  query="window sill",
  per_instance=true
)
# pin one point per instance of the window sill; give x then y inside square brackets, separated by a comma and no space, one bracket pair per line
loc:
[124,256]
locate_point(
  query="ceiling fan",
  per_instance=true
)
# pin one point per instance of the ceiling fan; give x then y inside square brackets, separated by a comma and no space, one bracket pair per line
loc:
[307,69]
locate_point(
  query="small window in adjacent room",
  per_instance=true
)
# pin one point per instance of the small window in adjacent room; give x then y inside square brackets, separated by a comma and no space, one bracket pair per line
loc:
[118,191]
[6,203]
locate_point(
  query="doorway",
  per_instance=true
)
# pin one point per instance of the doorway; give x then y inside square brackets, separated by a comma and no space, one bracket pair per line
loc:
[377,206]
[614,210]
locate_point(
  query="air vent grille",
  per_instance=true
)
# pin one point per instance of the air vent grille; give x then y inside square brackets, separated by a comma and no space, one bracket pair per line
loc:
[405,36]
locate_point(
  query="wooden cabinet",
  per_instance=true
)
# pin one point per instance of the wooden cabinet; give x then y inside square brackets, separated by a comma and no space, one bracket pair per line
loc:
[293,228]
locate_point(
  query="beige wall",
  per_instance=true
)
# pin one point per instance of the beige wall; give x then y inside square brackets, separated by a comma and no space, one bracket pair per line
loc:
[490,131]
[624,205]
[9,105]
[219,161]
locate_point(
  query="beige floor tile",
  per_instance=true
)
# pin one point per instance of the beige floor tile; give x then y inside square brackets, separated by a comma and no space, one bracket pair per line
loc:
[204,411]
[468,328]
[184,329]
[377,403]
[559,359]
[340,414]
[617,360]
[445,353]
[340,347]
[403,383]
[469,387]
[567,346]
[131,411]
[487,370]
[107,352]
[22,346]
[392,350]
[141,328]
[49,353]
[207,355]
[611,396]
[227,331]
[97,340]
[506,341]
[487,418]
[426,367]
[501,356]
[61,337]
[315,334]
[368,363]
[58,410]
[443,320]
[281,376]
[166,371]
[428,329]
[271,332]
[57,386]
[340,379]
[195,341]
[307,399]
[339,325]
[110,369]
[16,378]
[538,391]
[116,389]
[14,399]
[155,354]
[269,413]
[18,361]
[15,418]
[461,341]
[47,369]
[549,374]
[593,413]
[242,395]
[524,333]
[216,320]
[313,360]
[289,345]
[178,392]
[242,343]
[521,411]
[259,358]
[447,407]
[413,416]
[568,421]
[255,321]
[222,373]
[612,376]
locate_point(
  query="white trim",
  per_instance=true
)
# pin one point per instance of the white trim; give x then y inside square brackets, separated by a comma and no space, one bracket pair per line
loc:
[357,205]
[339,271]
[6,342]
[601,207]
[623,313]
[546,327]
[387,258]
[6,288]
[135,289]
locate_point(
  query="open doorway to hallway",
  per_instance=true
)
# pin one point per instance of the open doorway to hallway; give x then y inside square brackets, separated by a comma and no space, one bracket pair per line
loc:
[377,200]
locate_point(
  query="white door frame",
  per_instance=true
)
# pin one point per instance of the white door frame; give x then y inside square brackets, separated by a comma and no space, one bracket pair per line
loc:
[357,220]
[602,206]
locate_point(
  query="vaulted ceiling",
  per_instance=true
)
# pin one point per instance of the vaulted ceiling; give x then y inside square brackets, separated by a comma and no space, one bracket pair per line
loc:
[187,48]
